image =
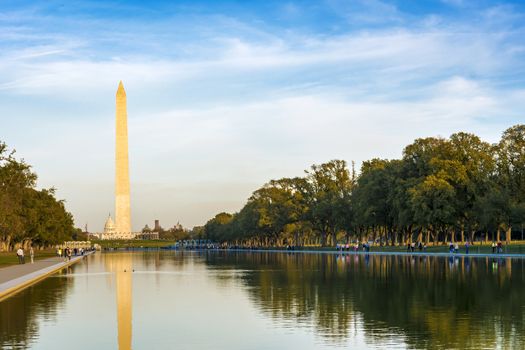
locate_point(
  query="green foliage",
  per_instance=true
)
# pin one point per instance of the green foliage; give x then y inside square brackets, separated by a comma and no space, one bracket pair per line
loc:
[440,187]
[28,215]
[174,234]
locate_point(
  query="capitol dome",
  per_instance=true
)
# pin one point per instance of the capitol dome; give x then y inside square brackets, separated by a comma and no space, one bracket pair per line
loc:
[109,226]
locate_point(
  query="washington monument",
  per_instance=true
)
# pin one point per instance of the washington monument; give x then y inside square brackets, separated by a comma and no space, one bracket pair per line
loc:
[122,202]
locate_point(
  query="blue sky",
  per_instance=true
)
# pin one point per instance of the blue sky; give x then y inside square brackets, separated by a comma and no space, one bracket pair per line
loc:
[225,95]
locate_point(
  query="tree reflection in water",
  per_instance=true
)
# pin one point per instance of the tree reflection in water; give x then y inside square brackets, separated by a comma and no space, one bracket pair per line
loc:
[429,301]
[19,326]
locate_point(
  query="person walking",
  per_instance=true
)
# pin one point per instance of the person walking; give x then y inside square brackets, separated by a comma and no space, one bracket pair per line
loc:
[466,247]
[493,247]
[20,255]
[32,254]
[456,248]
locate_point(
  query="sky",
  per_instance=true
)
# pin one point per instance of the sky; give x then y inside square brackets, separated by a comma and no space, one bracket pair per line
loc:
[225,95]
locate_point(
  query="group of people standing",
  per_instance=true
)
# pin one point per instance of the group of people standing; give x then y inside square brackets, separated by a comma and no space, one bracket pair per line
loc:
[21,255]
[354,247]
[411,247]
[454,247]
[497,248]
[67,252]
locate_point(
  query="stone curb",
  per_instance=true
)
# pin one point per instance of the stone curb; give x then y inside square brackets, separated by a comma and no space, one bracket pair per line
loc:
[335,252]
[15,285]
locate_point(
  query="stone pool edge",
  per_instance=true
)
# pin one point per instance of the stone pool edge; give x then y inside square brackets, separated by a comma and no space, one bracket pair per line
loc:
[399,253]
[9,288]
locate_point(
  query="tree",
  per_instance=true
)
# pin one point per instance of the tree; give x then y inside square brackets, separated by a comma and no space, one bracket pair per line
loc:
[216,228]
[511,169]
[328,197]
[28,215]
[433,203]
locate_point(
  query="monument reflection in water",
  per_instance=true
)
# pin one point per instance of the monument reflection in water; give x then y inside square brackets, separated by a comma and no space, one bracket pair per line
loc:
[121,264]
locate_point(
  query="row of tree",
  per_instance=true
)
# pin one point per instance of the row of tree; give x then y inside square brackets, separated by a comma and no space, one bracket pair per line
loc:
[27,215]
[176,233]
[441,190]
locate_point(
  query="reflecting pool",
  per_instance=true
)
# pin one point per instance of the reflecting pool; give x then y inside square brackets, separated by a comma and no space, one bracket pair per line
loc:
[260,300]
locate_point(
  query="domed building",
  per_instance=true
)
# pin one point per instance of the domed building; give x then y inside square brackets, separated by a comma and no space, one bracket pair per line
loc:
[109,226]
[110,231]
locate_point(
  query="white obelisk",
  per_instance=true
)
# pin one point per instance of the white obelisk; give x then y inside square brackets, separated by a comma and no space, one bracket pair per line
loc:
[122,200]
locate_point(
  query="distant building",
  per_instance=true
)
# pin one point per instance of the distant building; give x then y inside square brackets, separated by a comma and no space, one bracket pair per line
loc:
[109,226]
[110,231]
[147,235]
[157,227]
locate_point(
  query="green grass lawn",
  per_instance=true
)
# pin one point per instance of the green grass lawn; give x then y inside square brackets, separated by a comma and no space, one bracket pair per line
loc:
[10,258]
[517,247]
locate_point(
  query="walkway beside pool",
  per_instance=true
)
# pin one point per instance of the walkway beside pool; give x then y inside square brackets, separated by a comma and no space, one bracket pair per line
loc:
[17,277]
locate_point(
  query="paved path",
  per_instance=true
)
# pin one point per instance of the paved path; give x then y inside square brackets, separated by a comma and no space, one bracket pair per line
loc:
[14,278]
[14,271]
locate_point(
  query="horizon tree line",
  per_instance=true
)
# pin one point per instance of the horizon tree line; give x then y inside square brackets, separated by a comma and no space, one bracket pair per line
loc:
[442,190]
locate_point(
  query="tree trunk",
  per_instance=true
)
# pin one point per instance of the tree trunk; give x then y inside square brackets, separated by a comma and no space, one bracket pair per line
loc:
[508,235]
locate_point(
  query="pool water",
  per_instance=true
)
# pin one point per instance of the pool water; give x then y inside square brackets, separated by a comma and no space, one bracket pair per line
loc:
[262,300]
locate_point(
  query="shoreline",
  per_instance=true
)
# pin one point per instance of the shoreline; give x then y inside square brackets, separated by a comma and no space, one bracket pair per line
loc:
[335,252]
[17,284]
[327,251]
